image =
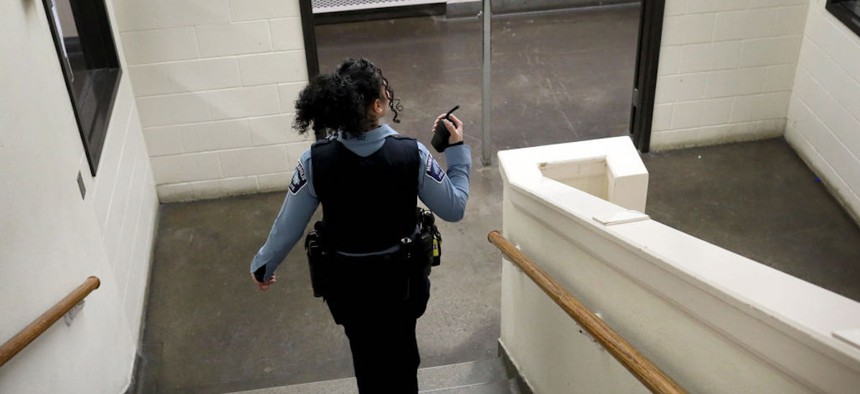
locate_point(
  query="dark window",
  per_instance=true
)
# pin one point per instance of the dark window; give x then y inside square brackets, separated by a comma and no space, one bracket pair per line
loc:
[88,58]
[847,11]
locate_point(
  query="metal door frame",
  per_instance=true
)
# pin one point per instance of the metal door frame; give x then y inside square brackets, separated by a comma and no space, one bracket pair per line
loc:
[645,80]
[310,36]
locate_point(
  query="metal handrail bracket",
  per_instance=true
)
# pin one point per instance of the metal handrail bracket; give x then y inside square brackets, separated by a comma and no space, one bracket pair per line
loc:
[14,346]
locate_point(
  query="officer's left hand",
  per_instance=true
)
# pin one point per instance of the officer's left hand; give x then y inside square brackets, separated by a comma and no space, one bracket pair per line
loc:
[264,285]
[454,126]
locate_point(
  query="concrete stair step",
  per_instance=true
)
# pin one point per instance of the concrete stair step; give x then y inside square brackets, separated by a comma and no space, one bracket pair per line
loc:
[495,387]
[461,375]
[474,377]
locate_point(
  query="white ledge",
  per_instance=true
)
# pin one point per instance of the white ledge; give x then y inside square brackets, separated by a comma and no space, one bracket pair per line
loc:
[816,319]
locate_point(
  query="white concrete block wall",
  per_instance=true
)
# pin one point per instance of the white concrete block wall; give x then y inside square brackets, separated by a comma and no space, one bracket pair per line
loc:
[726,70]
[123,198]
[824,113]
[215,82]
[52,239]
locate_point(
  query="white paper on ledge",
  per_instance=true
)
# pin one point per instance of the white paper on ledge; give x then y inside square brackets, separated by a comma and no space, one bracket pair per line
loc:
[851,336]
[621,217]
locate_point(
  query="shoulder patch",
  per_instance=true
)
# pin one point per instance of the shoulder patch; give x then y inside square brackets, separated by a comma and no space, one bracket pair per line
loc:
[433,169]
[300,179]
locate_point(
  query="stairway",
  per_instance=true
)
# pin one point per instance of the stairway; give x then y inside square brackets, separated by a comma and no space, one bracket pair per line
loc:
[476,377]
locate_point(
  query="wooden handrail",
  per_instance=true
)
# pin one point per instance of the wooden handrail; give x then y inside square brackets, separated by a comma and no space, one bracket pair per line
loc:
[651,376]
[42,323]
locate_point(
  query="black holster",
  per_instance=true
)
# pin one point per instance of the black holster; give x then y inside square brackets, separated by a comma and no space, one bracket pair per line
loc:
[318,259]
[429,236]
[423,250]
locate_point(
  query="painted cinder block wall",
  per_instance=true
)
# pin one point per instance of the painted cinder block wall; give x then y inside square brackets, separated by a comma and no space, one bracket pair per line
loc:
[52,239]
[216,81]
[824,112]
[726,70]
[750,69]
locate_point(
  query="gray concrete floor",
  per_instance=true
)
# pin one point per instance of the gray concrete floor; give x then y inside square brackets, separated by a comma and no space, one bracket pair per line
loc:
[558,77]
[759,200]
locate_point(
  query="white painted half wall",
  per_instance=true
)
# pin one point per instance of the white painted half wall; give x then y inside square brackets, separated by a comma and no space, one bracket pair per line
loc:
[52,239]
[216,82]
[712,320]
[824,114]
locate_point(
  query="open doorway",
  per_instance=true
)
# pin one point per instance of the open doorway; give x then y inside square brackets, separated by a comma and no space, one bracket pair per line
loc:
[561,73]
[559,76]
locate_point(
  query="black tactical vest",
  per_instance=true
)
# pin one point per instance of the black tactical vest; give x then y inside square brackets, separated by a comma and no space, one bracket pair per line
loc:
[368,202]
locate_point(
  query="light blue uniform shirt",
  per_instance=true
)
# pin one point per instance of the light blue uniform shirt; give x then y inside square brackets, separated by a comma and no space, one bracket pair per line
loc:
[444,192]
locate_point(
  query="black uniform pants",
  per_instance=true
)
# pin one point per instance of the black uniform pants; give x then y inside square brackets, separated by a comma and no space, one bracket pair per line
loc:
[378,302]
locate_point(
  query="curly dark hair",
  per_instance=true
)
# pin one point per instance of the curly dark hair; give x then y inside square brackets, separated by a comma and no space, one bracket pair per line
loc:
[339,101]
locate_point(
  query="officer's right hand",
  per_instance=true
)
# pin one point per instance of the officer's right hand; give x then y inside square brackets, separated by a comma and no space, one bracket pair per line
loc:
[263,286]
[456,128]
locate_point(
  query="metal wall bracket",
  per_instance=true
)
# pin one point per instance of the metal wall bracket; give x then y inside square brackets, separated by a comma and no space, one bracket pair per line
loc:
[588,335]
[72,313]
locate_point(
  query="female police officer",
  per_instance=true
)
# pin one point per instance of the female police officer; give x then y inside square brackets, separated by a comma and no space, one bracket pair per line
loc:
[367,178]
